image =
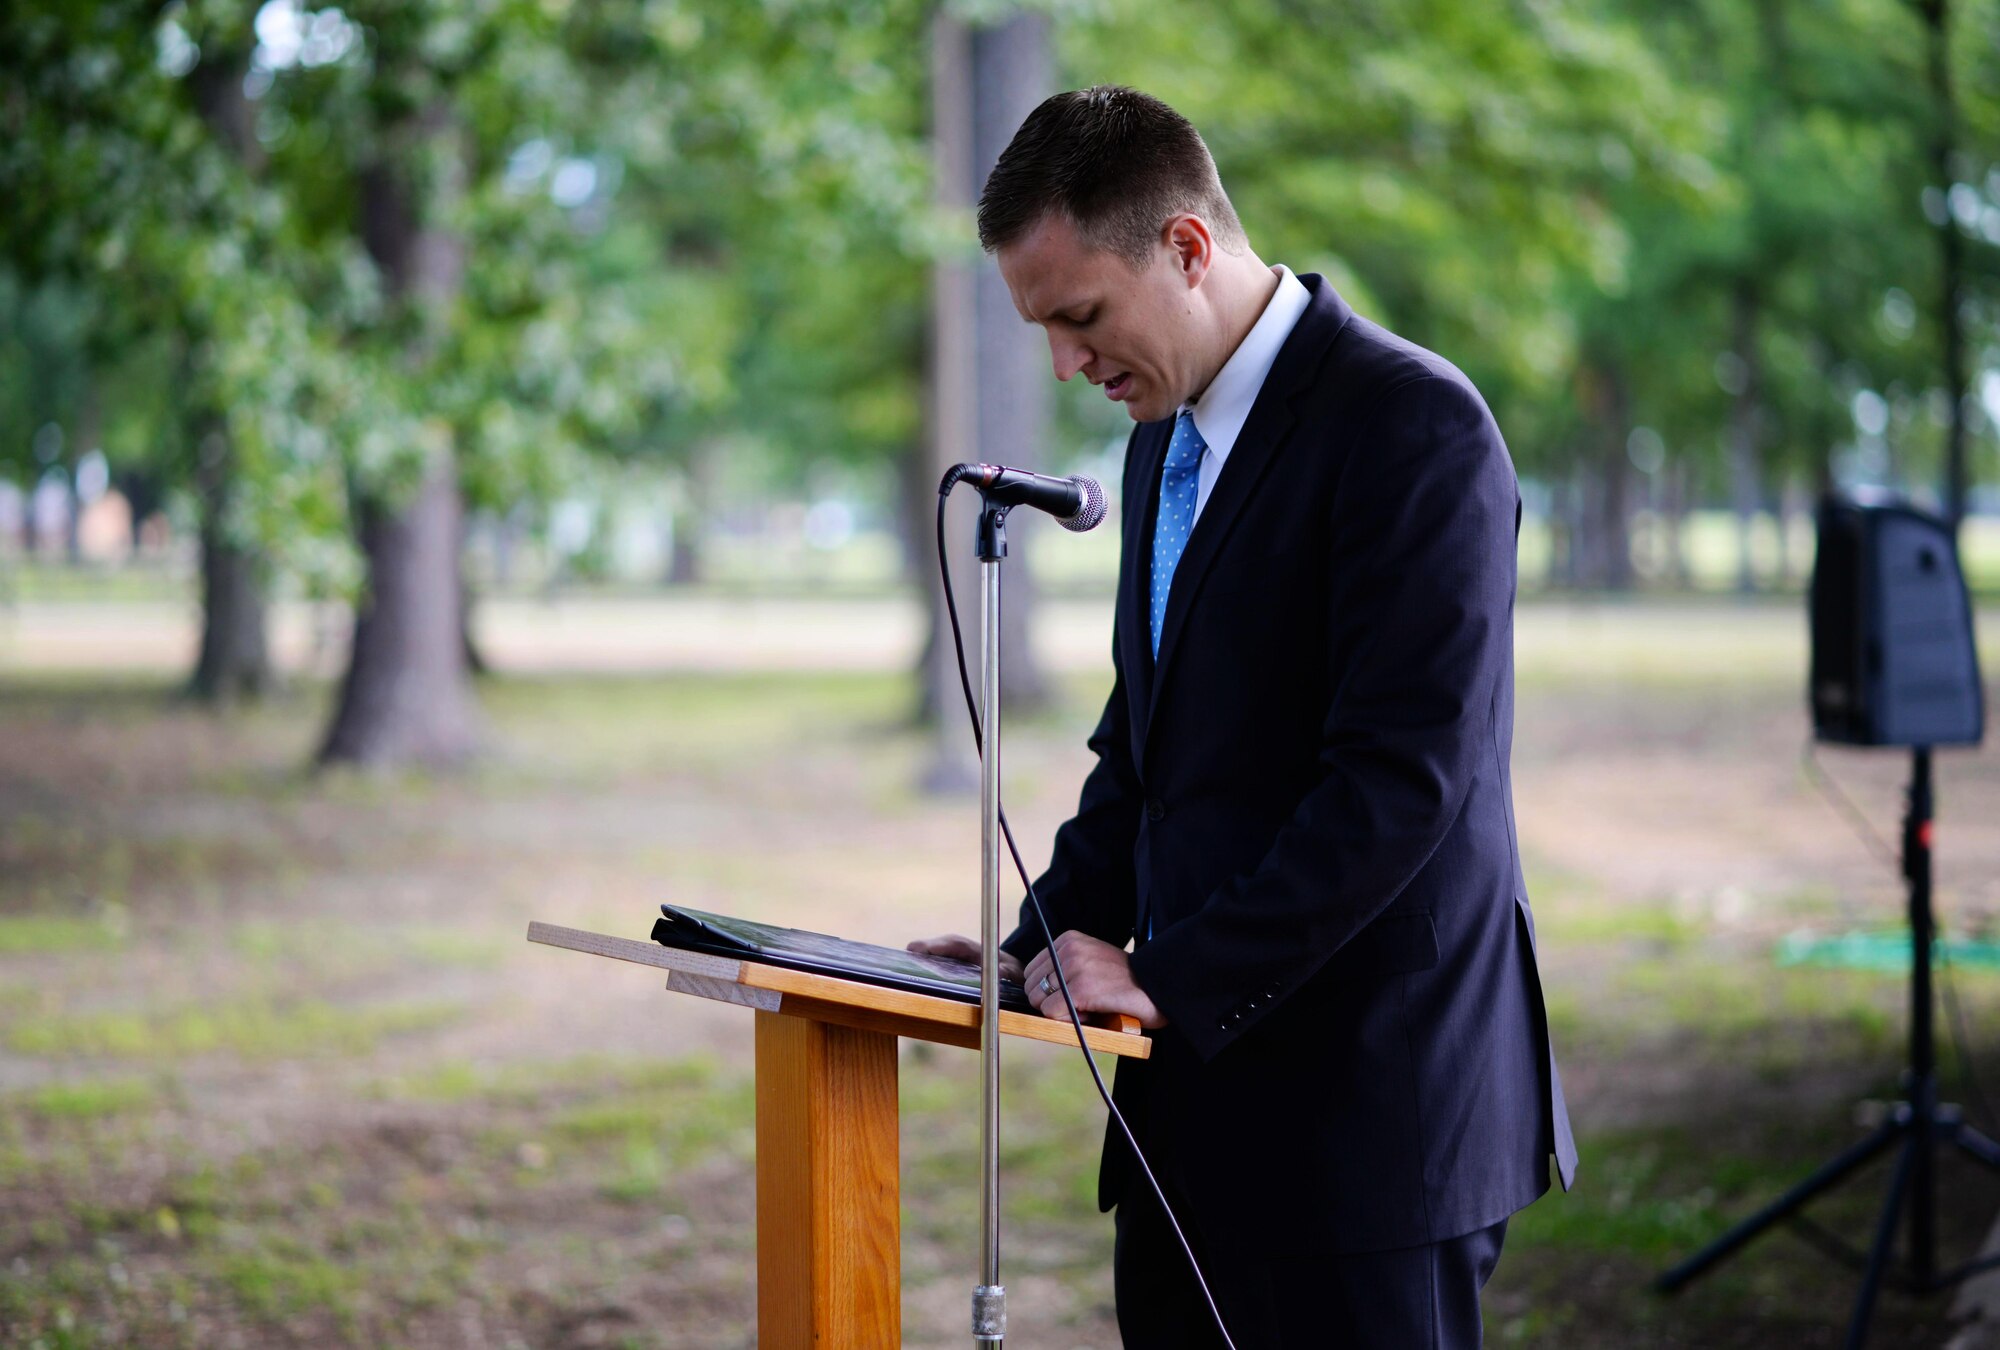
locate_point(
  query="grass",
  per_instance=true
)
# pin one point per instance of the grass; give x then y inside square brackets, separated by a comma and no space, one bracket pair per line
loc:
[288,1068]
[643,1138]
[258,1028]
[94,1099]
[50,934]
[616,723]
[330,948]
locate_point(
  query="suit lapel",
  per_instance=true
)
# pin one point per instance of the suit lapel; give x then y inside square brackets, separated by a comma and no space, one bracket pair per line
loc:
[1264,433]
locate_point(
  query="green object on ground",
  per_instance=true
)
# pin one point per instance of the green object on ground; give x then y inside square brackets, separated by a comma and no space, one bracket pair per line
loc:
[1881,951]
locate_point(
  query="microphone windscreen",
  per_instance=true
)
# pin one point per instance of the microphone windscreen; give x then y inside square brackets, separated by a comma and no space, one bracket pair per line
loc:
[1090,513]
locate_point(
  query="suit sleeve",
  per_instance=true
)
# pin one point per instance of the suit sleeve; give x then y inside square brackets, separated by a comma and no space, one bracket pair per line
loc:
[1420,594]
[1090,884]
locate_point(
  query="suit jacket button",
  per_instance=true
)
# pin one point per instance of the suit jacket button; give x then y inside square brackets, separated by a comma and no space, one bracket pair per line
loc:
[1155,809]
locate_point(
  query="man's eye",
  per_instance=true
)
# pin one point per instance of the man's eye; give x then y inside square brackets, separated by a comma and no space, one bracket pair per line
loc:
[1086,320]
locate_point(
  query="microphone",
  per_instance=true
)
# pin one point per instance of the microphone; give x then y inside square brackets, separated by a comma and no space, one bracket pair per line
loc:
[1077,503]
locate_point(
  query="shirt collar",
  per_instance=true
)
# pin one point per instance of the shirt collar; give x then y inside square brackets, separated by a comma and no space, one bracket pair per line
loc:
[1225,405]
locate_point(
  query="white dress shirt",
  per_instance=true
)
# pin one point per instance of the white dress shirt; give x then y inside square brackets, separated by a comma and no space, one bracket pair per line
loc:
[1222,408]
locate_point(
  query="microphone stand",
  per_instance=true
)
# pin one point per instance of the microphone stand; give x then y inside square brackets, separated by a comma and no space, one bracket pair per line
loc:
[989,1297]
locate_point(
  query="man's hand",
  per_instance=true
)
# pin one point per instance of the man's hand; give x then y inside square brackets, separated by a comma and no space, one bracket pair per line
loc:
[1100,979]
[965,949]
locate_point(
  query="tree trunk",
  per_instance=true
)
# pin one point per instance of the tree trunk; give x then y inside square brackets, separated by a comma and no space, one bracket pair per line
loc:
[142,492]
[406,698]
[31,528]
[1601,546]
[235,660]
[407,695]
[988,390]
[1562,536]
[686,565]
[951,394]
[1951,256]
[1793,504]
[1012,71]
[1746,431]
[1673,519]
[475,659]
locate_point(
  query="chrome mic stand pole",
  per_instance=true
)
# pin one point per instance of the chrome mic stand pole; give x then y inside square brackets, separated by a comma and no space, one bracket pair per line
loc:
[989,1298]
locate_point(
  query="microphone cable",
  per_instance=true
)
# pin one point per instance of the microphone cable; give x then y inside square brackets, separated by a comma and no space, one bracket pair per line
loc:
[1062,981]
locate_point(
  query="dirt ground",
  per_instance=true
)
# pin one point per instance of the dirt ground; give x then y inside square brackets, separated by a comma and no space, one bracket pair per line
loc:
[277,1068]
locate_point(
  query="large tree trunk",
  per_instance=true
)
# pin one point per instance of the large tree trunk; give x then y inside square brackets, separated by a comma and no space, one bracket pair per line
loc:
[1012,71]
[951,394]
[988,395]
[407,696]
[235,659]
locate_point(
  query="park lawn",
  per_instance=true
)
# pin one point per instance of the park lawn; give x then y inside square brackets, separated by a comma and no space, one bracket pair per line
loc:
[276,1067]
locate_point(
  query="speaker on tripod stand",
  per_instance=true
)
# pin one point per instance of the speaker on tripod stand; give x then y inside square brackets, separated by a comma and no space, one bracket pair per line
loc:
[1893,664]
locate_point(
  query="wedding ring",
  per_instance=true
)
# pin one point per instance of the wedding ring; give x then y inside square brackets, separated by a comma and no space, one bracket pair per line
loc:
[1047,988]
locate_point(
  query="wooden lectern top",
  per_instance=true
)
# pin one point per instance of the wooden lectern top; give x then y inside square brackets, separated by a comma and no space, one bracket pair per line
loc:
[824,998]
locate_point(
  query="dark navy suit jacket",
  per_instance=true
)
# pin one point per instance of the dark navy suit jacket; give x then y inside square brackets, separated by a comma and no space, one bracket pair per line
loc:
[1308,797]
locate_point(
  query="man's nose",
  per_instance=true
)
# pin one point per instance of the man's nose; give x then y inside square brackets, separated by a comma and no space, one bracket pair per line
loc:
[1069,357]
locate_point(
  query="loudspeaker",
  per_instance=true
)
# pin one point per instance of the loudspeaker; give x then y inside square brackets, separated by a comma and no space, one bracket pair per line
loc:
[1893,657]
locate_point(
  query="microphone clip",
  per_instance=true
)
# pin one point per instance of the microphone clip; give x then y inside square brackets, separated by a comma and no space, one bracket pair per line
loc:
[991,545]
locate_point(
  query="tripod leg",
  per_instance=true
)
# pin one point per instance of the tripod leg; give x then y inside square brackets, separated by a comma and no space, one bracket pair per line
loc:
[1885,1240]
[1829,1174]
[1977,1144]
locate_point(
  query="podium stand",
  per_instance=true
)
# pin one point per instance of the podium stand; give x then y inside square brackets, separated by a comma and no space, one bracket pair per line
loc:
[829,1226]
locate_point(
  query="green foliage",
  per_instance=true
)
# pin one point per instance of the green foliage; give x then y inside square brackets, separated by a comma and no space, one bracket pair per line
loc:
[693,229]
[1563,198]
[671,221]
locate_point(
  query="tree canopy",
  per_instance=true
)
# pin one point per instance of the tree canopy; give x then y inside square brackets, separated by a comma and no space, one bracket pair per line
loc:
[1659,238]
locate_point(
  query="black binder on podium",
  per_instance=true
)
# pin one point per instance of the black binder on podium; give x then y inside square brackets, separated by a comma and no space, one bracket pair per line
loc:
[720,935]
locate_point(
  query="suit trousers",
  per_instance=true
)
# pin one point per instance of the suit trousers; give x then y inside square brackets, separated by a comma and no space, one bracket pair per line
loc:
[1274,1297]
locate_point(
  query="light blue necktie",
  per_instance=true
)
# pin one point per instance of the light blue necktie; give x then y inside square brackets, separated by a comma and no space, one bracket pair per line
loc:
[1179,480]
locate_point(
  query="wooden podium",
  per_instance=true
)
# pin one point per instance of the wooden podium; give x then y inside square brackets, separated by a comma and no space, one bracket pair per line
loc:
[829,1228]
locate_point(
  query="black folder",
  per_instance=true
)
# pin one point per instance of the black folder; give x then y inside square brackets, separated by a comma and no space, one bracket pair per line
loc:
[891,967]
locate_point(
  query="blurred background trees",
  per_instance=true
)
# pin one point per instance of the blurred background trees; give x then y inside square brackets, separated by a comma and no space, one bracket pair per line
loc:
[389,302]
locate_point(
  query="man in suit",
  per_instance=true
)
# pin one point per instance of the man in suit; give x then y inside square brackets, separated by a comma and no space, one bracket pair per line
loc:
[1301,818]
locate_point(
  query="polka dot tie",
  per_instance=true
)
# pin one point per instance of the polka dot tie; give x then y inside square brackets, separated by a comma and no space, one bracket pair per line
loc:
[1179,478]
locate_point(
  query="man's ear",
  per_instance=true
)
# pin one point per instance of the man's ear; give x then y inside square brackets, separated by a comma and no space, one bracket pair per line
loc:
[1193,246]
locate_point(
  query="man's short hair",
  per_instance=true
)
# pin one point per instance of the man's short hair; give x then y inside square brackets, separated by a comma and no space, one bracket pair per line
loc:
[1116,163]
